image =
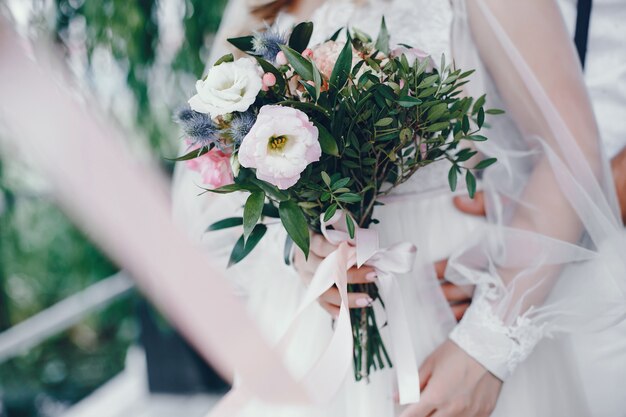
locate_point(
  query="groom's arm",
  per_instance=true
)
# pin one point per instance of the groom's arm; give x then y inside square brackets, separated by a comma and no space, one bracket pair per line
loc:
[457,298]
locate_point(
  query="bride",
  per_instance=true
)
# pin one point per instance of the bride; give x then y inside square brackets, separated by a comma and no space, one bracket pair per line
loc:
[545,264]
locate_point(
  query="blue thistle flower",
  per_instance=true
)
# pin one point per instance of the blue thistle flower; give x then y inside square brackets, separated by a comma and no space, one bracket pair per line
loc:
[240,126]
[198,127]
[267,43]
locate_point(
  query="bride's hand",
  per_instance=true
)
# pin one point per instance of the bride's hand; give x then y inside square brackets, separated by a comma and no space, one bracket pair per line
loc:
[455,386]
[330,300]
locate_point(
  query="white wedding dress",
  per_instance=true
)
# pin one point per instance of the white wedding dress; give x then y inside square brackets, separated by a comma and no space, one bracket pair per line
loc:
[541,379]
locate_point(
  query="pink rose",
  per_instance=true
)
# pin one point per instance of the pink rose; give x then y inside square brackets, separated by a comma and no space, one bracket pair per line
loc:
[325,56]
[214,168]
[280,145]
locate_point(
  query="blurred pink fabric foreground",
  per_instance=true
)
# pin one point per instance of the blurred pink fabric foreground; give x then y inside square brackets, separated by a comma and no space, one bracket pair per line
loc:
[124,206]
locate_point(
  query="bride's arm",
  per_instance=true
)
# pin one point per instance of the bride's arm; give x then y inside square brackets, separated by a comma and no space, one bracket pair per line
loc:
[550,204]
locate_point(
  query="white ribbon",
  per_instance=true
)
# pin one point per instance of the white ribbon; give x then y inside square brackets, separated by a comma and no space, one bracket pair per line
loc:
[397,259]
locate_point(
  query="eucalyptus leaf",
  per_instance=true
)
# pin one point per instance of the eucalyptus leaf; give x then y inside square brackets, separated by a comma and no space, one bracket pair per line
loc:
[252,212]
[190,155]
[330,212]
[470,181]
[452,178]
[327,141]
[300,36]
[382,43]
[225,224]
[295,224]
[486,163]
[301,65]
[244,247]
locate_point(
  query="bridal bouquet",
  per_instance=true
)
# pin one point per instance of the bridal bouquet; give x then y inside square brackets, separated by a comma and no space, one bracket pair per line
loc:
[316,134]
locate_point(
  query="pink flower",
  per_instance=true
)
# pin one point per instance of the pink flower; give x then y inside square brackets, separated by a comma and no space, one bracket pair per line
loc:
[325,56]
[269,81]
[280,145]
[281,59]
[412,55]
[214,168]
[307,53]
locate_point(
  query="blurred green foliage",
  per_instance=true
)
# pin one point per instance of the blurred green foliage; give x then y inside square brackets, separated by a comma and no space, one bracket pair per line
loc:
[43,257]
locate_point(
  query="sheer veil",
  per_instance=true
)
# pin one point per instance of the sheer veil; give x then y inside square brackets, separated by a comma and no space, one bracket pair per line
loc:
[548,261]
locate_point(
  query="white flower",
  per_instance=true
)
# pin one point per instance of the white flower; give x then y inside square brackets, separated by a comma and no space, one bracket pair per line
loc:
[228,87]
[280,145]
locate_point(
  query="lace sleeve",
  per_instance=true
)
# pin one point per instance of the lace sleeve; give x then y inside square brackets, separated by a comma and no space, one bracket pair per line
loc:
[548,261]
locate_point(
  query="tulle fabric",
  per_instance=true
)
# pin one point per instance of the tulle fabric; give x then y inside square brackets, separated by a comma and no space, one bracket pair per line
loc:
[548,262]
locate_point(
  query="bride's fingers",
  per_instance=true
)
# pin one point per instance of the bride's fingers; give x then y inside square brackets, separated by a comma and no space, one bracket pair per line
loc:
[474,206]
[459,310]
[454,293]
[440,268]
[331,309]
[363,275]
[355,300]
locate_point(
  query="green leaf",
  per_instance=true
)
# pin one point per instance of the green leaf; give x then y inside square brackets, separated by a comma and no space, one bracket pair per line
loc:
[342,67]
[408,101]
[382,43]
[486,163]
[252,211]
[243,43]
[325,178]
[470,181]
[317,80]
[244,247]
[225,224]
[495,111]
[428,81]
[480,119]
[335,35]
[231,188]
[436,111]
[191,155]
[287,250]
[340,183]
[479,103]
[350,226]
[327,141]
[225,58]
[349,198]
[300,36]
[452,177]
[270,190]
[465,125]
[386,121]
[476,138]
[295,224]
[301,65]
[330,212]
[436,127]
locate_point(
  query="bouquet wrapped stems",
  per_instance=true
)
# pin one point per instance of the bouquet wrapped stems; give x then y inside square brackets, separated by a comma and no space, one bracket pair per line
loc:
[369,349]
